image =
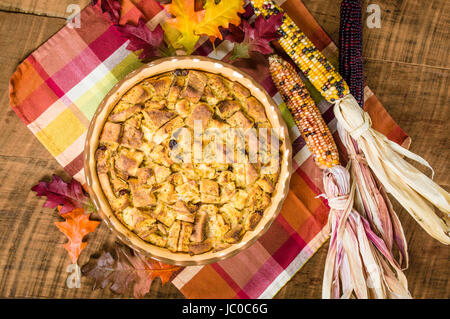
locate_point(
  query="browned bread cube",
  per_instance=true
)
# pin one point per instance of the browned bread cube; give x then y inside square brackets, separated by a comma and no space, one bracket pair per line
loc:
[200,248]
[174,235]
[161,86]
[218,87]
[227,108]
[202,113]
[185,234]
[111,132]
[132,137]
[141,196]
[165,215]
[239,120]
[157,118]
[256,110]
[195,85]
[125,114]
[234,235]
[129,161]
[239,91]
[136,95]
[146,175]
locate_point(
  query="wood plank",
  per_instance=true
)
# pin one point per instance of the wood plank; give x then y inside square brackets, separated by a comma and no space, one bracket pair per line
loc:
[51,8]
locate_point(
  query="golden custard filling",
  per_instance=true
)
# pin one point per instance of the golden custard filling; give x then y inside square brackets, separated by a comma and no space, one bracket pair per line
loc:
[188,161]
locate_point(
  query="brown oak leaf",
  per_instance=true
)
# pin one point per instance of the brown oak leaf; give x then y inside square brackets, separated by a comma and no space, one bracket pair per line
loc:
[123,267]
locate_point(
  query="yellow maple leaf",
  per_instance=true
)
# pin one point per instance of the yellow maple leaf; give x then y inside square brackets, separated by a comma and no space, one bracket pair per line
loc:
[185,21]
[188,25]
[220,15]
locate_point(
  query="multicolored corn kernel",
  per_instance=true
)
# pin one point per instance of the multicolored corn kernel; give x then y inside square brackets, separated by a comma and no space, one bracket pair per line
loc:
[306,115]
[304,53]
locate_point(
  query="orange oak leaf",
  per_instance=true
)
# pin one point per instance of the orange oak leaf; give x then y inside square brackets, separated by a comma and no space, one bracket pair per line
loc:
[75,227]
[160,270]
[123,267]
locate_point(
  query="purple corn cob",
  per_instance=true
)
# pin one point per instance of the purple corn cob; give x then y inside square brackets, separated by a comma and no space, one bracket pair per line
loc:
[350,48]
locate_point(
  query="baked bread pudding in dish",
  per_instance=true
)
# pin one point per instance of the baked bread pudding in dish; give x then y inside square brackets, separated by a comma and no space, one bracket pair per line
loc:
[175,163]
[188,160]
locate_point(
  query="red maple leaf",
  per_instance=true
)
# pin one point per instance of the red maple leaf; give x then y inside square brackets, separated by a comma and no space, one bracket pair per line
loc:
[59,193]
[142,38]
[256,37]
[111,8]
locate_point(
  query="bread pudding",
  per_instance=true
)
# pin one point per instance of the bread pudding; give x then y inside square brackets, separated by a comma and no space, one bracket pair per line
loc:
[188,161]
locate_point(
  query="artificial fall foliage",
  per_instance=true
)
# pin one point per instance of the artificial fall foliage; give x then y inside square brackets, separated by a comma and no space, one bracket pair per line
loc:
[59,193]
[122,268]
[75,227]
[254,38]
[71,202]
[220,14]
[148,42]
[191,24]
[111,8]
[142,38]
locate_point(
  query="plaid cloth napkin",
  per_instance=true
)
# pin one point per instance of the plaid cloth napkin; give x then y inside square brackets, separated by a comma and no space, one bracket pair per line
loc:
[57,89]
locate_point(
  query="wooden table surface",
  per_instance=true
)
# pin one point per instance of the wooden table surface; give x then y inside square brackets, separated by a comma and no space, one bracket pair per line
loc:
[407,65]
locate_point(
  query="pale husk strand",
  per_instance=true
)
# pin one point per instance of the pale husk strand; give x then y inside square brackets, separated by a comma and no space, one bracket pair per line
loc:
[374,202]
[358,262]
[414,190]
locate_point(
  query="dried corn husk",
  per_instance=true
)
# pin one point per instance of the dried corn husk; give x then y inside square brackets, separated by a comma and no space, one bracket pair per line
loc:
[375,204]
[348,251]
[358,260]
[414,190]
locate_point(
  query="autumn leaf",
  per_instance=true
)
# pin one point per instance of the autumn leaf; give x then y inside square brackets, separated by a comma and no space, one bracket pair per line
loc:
[185,21]
[166,51]
[75,227]
[59,193]
[142,38]
[122,268]
[127,5]
[255,38]
[147,9]
[220,14]
[192,24]
[112,9]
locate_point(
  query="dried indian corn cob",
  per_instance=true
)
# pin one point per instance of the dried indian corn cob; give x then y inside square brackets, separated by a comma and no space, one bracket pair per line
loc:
[350,48]
[304,53]
[305,112]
